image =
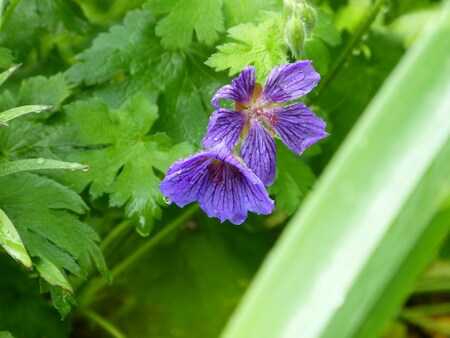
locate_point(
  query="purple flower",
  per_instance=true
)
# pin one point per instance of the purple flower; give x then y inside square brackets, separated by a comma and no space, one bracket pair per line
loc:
[260,114]
[222,185]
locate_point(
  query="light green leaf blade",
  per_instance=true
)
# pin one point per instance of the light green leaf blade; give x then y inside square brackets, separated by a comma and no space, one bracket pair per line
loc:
[38,164]
[19,111]
[5,334]
[368,219]
[11,241]
[50,272]
[7,73]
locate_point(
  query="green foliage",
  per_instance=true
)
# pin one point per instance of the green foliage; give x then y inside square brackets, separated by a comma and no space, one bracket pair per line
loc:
[123,61]
[122,156]
[48,223]
[260,45]
[6,57]
[130,83]
[23,311]
[38,19]
[294,180]
[204,17]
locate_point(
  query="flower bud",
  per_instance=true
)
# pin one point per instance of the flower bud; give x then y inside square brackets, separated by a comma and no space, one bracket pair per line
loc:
[309,17]
[295,34]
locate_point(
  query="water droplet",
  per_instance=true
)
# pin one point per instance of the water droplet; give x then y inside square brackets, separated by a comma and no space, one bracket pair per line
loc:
[142,221]
[166,200]
[40,161]
[86,168]
[3,124]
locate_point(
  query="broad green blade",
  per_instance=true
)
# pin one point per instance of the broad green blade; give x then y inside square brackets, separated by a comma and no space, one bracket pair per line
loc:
[52,274]
[7,73]
[349,256]
[12,167]
[11,242]
[19,111]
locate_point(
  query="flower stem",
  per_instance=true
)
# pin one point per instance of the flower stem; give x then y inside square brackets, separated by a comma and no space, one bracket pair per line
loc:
[98,283]
[103,323]
[119,229]
[354,41]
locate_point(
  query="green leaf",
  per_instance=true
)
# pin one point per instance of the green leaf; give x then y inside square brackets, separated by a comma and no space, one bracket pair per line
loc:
[52,274]
[315,49]
[7,73]
[45,213]
[51,90]
[12,167]
[259,45]
[185,105]
[366,231]
[293,181]
[124,60]
[37,17]
[325,30]
[6,58]
[204,17]
[11,242]
[19,111]
[5,334]
[126,162]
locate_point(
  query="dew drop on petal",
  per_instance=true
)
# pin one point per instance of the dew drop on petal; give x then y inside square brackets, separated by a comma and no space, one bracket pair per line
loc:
[166,200]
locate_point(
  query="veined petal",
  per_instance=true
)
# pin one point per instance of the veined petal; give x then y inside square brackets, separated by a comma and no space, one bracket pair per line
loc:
[297,126]
[185,178]
[289,82]
[259,152]
[223,186]
[224,126]
[241,88]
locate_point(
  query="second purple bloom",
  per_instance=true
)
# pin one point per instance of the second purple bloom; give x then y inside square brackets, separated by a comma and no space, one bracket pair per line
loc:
[260,114]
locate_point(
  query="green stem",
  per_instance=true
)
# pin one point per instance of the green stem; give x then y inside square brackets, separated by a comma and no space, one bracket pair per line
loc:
[103,323]
[8,12]
[97,284]
[354,41]
[114,234]
[152,242]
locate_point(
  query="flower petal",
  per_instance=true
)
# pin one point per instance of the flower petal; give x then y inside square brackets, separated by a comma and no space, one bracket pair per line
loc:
[240,90]
[237,191]
[224,126]
[289,82]
[223,186]
[185,178]
[297,126]
[259,152]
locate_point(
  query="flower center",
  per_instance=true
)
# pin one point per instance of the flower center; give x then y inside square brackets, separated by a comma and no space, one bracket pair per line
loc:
[220,171]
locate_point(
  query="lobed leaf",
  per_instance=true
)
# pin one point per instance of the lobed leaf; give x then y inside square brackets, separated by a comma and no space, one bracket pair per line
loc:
[126,161]
[204,17]
[259,45]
